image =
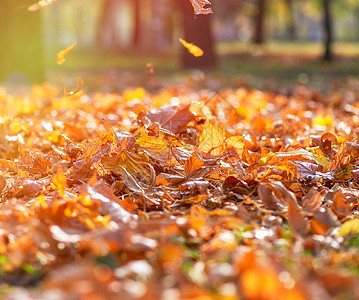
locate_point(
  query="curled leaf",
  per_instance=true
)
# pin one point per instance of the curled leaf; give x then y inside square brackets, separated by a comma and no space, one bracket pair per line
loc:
[199,7]
[77,89]
[193,49]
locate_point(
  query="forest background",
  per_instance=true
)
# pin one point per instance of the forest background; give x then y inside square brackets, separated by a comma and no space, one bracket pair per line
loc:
[259,44]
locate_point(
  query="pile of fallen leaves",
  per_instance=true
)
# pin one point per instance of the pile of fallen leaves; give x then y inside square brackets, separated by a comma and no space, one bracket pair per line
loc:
[182,194]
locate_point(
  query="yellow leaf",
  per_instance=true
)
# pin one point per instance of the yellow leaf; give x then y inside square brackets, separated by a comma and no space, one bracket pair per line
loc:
[349,227]
[193,49]
[59,180]
[212,139]
[61,54]
[322,120]
[156,147]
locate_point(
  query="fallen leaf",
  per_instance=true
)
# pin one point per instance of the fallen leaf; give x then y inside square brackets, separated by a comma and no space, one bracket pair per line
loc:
[211,140]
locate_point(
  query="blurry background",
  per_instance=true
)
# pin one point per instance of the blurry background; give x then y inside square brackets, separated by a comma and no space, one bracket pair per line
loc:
[259,43]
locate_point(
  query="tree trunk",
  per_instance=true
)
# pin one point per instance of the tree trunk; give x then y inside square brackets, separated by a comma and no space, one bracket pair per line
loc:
[259,22]
[328,30]
[291,28]
[137,24]
[21,49]
[197,30]
[107,35]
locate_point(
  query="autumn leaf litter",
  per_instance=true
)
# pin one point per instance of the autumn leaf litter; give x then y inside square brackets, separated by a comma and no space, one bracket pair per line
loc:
[125,196]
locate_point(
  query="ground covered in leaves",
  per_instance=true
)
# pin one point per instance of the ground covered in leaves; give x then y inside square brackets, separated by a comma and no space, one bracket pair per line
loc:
[179,194]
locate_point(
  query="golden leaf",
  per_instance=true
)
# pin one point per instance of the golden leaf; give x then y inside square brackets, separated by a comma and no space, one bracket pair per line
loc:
[193,49]
[77,89]
[349,227]
[212,139]
[61,54]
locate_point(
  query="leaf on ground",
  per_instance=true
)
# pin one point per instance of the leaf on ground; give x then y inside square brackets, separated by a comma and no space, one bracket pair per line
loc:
[313,200]
[296,219]
[341,159]
[350,227]
[2,183]
[156,147]
[326,144]
[193,166]
[175,120]
[211,140]
[193,49]
[268,198]
[323,220]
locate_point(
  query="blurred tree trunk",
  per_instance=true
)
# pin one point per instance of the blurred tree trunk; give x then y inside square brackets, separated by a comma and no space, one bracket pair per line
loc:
[107,36]
[328,30]
[197,30]
[21,49]
[136,23]
[356,22]
[291,27]
[259,22]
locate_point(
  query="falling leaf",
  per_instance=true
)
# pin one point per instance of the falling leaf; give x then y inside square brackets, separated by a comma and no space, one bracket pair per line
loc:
[40,4]
[77,89]
[193,49]
[150,69]
[61,54]
[199,7]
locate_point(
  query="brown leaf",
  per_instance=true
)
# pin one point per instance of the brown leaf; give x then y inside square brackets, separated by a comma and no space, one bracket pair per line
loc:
[313,200]
[341,159]
[199,7]
[268,198]
[326,142]
[2,183]
[296,219]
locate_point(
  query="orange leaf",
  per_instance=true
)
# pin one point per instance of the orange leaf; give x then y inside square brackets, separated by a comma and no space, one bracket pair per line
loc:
[78,88]
[61,54]
[193,49]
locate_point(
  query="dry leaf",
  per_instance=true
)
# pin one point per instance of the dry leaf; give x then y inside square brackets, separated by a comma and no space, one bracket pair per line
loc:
[61,54]
[199,7]
[77,89]
[193,49]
